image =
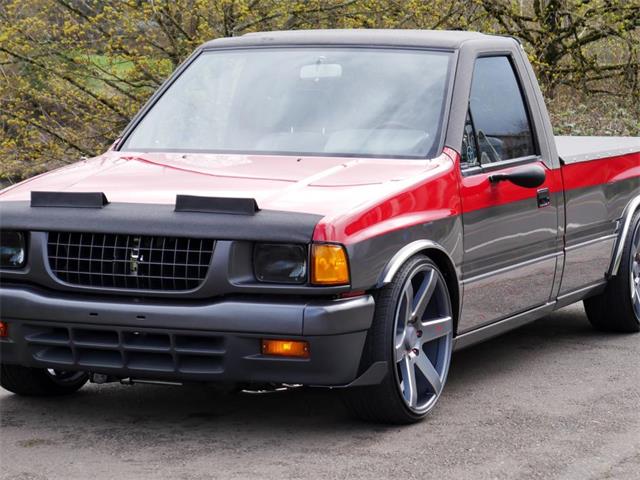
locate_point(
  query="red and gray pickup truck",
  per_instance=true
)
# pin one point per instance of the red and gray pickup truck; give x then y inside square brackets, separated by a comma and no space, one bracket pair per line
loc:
[335,209]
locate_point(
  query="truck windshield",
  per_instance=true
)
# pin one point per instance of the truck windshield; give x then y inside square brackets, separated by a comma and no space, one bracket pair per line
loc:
[302,101]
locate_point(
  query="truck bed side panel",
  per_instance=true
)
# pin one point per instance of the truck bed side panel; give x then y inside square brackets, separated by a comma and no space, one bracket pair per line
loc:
[597,193]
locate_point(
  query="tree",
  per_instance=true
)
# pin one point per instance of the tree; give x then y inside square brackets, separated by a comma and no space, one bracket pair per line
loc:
[73,72]
[576,42]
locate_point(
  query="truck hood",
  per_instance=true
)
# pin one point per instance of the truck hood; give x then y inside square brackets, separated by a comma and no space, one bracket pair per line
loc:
[319,185]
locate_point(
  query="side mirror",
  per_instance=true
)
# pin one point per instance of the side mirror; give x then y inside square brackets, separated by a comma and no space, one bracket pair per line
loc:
[527,176]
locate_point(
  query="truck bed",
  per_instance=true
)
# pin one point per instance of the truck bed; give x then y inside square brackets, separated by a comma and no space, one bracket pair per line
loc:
[582,149]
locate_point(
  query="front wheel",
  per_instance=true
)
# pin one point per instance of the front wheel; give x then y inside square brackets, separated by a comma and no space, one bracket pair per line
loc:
[412,332]
[40,381]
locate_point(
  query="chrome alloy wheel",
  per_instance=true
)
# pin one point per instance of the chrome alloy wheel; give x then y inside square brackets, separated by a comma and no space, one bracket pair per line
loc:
[423,338]
[635,272]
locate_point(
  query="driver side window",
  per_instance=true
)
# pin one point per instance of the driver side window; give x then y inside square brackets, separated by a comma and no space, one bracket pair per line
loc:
[498,115]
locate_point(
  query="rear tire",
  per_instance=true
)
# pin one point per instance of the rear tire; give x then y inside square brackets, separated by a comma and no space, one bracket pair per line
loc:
[40,382]
[617,309]
[412,332]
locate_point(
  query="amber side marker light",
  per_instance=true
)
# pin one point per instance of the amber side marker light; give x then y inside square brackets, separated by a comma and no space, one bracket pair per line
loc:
[4,330]
[329,265]
[286,348]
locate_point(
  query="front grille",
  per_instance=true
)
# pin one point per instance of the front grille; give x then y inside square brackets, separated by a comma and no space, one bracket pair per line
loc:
[141,352]
[138,262]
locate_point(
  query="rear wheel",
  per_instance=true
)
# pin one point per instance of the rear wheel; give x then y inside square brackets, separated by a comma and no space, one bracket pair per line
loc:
[413,333]
[617,309]
[40,381]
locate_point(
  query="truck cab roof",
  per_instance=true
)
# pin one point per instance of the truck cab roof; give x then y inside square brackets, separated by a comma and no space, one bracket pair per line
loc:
[439,39]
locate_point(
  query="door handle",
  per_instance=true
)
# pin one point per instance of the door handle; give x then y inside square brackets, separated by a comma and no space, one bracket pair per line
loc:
[544,197]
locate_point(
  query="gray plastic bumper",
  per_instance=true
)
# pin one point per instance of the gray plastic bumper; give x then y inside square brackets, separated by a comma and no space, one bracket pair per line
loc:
[191,341]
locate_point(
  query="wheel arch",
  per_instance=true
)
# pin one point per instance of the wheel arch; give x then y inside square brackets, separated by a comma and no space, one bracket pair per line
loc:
[441,258]
[629,212]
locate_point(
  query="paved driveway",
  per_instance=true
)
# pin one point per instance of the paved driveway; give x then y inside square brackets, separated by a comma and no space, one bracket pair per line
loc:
[551,400]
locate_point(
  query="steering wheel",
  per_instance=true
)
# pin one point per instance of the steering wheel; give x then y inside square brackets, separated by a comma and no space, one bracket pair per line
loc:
[490,151]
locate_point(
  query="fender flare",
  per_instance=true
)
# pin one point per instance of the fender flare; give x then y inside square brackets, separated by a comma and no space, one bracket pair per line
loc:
[408,251]
[629,212]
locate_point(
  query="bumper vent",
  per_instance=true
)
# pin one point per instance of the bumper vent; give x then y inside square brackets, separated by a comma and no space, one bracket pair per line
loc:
[142,353]
[136,262]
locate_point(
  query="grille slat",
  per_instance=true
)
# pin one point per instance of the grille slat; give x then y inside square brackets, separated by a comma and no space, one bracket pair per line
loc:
[133,262]
[127,278]
[123,275]
[127,261]
[80,260]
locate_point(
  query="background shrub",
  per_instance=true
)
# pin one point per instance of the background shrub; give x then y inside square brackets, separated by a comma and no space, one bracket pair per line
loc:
[73,72]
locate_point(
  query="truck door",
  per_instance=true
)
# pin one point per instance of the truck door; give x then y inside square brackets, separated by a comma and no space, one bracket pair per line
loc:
[510,232]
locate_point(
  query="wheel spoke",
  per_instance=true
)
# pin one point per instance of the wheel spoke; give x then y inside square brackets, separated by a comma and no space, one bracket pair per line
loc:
[404,315]
[409,387]
[423,297]
[434,329]
[635,279]
[429,372]
[636,244]
[408,302]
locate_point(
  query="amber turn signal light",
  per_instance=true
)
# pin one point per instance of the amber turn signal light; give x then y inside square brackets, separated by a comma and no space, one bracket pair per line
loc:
[329,265]
[4,330]
[286,348]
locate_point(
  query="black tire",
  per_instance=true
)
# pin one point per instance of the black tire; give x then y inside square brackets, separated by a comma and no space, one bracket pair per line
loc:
[614,310]
[386,403]
[39,382]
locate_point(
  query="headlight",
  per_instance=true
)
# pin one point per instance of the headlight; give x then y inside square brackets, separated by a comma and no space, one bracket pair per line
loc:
[280,263]
[12,249]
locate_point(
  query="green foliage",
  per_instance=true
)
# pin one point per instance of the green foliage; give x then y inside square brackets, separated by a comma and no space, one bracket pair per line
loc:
[73,72]
[574,42]
[578,113]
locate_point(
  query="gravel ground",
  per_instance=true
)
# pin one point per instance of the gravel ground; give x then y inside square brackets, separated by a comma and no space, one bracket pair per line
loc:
[551,400]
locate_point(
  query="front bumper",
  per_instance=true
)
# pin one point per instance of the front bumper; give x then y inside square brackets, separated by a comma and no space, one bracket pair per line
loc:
[184,341]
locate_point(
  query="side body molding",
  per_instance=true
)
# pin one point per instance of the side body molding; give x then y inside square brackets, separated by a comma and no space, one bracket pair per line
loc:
[631,209]
[405,253]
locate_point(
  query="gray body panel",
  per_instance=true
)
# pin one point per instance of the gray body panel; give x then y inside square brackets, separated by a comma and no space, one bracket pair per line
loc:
[593,212]
[594,215]
[587,264]
[368,259]
[510,260]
